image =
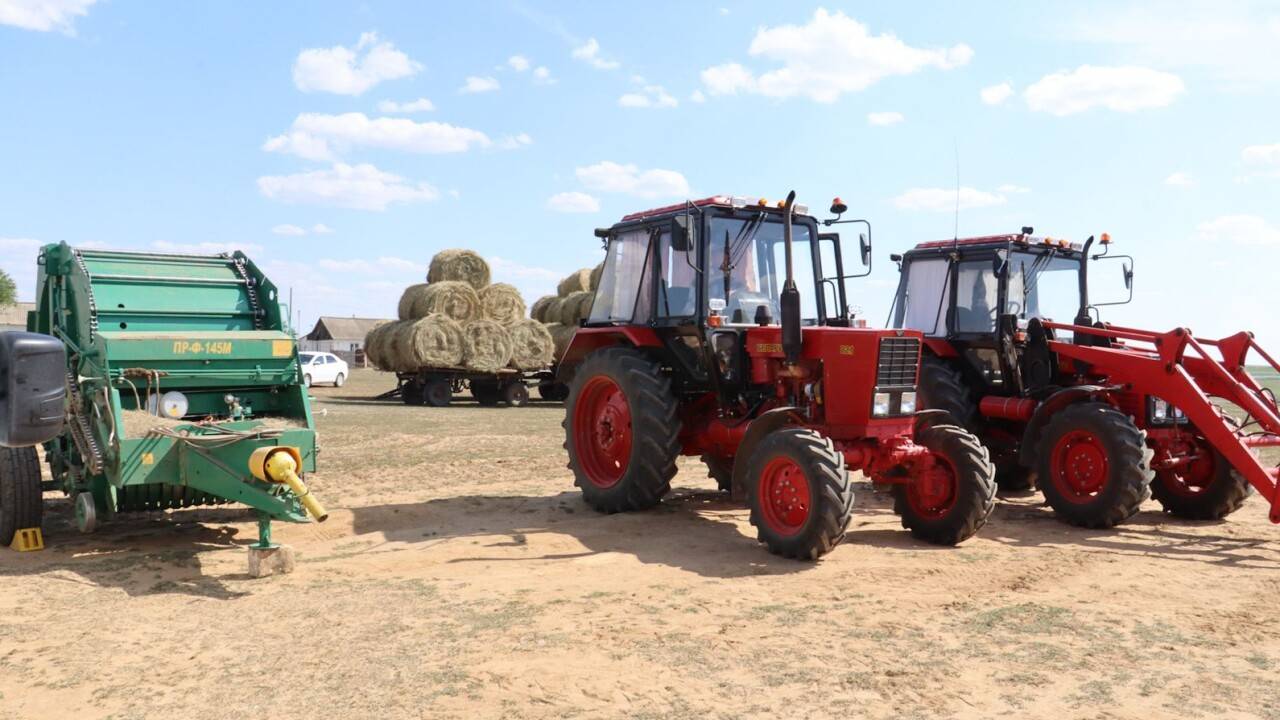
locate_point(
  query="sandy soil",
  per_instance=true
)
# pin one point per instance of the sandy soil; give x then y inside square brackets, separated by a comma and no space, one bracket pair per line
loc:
[461,576]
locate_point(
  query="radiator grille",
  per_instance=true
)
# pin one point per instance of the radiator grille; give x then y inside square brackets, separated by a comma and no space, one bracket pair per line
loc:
[899,358]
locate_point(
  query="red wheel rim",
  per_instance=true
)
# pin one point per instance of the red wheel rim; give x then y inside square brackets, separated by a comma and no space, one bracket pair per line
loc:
[1080,466]
[1194,478]
[602,431]
[933,493]
[784,496]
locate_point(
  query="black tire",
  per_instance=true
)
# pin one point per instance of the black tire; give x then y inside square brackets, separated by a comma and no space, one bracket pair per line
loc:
[942,388]
[412,393]
[486,392]
[516,394]
[972,499]
[340,380]
[437,393]
[21,504]
[553,391]
[829,490]
[653,430]
[1123,484]
[1225,494]
[720,469]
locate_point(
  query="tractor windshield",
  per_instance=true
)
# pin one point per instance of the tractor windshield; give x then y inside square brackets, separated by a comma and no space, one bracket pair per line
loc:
[746,268]
[1044,285]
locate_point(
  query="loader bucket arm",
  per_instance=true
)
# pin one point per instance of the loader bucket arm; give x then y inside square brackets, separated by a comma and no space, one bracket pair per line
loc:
[1177,368]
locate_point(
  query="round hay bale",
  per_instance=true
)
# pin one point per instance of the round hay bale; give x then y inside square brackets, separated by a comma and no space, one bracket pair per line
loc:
[577,282]
[596,273]
[561,336]
[434,341]
[408,298]
[460,266]
[551,311]
[571,307]
[375,343]
[393,341]
[538,310]
[501,303]
[456,299]
[486,346]
[531,345]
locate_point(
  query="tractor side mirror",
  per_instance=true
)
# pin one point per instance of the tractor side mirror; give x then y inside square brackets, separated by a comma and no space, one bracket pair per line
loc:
[1128,275]
[33,388]
[680,233]
[864,245]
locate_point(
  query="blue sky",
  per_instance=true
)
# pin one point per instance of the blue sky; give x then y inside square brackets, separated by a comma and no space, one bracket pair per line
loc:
[342,145]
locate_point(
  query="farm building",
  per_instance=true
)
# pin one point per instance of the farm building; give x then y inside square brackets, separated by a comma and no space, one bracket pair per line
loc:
[342,336]
[14,317]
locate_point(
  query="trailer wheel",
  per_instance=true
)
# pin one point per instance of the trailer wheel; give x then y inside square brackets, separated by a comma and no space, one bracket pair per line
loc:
[516,394]
[950,502]
[1207,488]
[21,504]
[553,391]
[1094,466]
[437,392]
[486,392]
[799,492]
[720,469]
[412,393]
[621,431]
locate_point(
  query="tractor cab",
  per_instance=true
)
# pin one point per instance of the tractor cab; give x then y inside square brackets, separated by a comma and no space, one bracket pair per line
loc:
[985,300]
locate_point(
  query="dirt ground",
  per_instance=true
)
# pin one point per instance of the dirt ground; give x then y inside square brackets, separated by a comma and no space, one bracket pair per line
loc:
[460,575]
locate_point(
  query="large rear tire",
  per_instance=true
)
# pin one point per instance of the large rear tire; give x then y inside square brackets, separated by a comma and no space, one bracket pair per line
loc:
[621,431]
[1094,466]
[1207,488]
[21,504]
[799,493]
[953,500]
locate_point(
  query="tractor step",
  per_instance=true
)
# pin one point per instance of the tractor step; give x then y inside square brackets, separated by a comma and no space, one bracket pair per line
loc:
[28,540]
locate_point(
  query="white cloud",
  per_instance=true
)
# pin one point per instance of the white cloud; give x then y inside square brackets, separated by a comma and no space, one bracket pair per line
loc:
[512,142]
[650,96]
[589,52]
[542,75]
[321,229]
[519,63]
[289,230]
[883,119]
[1011,189]
[413,106]
[44,15]
[615,178]
[475,85]
[1122,89]
[1265,155]
[349,71]
[316,136]
[361,187]
[205,248]
[724,11]
[532,281]
[573,202]
[1180,179]
[697,96]
[833,54]
[996,94]
[944,199]
[1240,229]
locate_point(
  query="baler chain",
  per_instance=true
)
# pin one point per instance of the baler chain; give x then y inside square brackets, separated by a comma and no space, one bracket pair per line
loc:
[93,306]
[251,288]
[81,429]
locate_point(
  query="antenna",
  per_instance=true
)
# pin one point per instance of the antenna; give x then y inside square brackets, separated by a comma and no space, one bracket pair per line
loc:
[955,230]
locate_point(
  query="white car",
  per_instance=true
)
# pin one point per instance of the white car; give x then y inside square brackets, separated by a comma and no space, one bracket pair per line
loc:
[322,367]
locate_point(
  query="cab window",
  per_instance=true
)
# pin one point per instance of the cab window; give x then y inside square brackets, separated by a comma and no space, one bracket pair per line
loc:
[924,296]
[624,275]
[977,297]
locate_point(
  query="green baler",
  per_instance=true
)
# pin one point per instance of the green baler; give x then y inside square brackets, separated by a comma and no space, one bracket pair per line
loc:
[182,382]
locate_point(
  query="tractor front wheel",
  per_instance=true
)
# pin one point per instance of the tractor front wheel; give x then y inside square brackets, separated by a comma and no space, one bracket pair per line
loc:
[21,504]
[949,502]
[621,431]
[1206,488]
[1094,466]
[799,493]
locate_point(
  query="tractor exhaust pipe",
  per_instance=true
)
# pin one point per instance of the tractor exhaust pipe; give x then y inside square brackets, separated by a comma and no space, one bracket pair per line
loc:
[790,298]
[1082,315]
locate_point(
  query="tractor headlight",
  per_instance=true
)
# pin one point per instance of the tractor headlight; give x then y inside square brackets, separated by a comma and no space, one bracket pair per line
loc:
[880,404]
[908,405]
[1159,410]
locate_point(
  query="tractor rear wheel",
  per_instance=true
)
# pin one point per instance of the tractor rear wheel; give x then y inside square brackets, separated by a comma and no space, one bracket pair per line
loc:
[1207,488]
[720,469]
[1094,466]
[21,504]
[799,493]
[951,501]
[621,431]
[942,388]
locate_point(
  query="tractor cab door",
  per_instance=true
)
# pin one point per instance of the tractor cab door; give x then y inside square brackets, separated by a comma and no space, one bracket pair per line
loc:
[975,318]
[675,306]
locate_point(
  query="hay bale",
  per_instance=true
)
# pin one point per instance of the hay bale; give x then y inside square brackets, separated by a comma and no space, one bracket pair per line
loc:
[408,298]
[551,312]
[561,336]
[577,282]
[434,341]
[572,307]
[486,346]
[455,299]
[531,345]
[538,311]
[375,346]
[501,303]
[460,266]
[596,274]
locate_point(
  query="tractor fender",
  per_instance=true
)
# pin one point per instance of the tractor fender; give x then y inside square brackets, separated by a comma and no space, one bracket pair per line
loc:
[1052,404]
[759,428]
[587,340]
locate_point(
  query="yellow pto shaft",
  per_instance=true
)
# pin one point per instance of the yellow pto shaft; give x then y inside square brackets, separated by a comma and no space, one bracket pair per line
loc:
[280,465]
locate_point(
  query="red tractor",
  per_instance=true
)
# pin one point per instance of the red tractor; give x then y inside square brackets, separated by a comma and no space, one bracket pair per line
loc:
[1098,417]
[700,343]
